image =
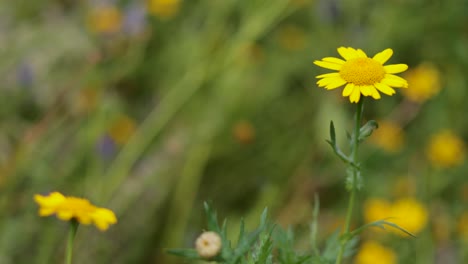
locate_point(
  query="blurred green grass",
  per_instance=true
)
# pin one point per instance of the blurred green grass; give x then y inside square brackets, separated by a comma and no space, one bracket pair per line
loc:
[151,111]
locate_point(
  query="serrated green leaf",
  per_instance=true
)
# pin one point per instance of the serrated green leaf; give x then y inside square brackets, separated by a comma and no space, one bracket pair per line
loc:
[212,218]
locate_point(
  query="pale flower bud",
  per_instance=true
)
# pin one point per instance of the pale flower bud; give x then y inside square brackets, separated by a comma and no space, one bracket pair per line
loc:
[208,244]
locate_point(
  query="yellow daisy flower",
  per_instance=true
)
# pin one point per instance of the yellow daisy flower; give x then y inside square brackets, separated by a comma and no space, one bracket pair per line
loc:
[446,149]
[361,74]
[372,252]
[410,214]
[67,208]
[164,8]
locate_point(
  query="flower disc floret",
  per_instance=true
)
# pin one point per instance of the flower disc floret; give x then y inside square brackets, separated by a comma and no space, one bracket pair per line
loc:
[362,71]
[361,74]
[69,208]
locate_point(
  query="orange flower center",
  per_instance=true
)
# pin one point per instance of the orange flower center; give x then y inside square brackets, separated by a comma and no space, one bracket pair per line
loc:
[362,71]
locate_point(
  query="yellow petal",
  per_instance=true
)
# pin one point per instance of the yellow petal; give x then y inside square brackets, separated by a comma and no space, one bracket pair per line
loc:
[355,96]
[384,88]
[329,80]
[361,54]
[64,215]
[395,68]
[333,74]
[383,56]
[334,60]
[337,82]
[348,89]
[394,81]
[328,65]
[366,90]
[375,94]
[347,53]
[46,211]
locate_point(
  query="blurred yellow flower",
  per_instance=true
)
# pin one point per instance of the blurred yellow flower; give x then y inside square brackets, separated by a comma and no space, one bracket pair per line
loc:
[409,214]
[389,136]
[361,74]
[105,19]
[445,149]
[164,8]
[291,38]
[67,208]
[86,100]
[376,209]
[463,225]
[424,81]
[122,129]
[372,252]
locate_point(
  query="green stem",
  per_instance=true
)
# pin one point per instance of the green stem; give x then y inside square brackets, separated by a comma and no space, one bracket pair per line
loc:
[355,173]
[71,236]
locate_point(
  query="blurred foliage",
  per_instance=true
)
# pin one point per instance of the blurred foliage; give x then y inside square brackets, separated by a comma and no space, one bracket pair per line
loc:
[151,107]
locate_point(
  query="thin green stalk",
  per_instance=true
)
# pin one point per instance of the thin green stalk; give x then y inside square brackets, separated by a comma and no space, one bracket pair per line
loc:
[355,173]
[71,237]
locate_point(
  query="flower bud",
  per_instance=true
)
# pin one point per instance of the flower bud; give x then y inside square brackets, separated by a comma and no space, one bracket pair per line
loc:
[208,244]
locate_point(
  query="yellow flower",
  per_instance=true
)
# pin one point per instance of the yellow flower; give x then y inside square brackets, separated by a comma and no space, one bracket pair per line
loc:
[376,209]
[424,81]
[291,38]
[409,214]
[361,74]
[164,8]
[122,129]
[389,136]
[446,149]
[105,19]
[67,208]
[372,252]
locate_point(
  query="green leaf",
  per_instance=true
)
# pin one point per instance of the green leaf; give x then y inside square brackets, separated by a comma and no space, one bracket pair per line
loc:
[332,134]
[212,218]
[314,224]
[184,252]
[367,129]
[380,224]
[333,245]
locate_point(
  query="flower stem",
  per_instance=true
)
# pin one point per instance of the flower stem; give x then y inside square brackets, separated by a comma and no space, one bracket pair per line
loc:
[354,180]
[71,236]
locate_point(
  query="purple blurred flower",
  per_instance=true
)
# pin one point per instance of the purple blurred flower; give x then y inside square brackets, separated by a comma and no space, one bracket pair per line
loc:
[25,74]
[134,19]
[106,147]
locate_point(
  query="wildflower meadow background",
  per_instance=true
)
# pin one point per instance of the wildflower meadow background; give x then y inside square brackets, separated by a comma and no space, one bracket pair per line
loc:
[149,108]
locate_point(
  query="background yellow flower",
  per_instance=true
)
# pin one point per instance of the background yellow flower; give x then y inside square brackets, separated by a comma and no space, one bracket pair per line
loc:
[372,252]
[424,82]
[389,136]
[68,207]
[105,19]
[446,149]
[164,8]
[409,214]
